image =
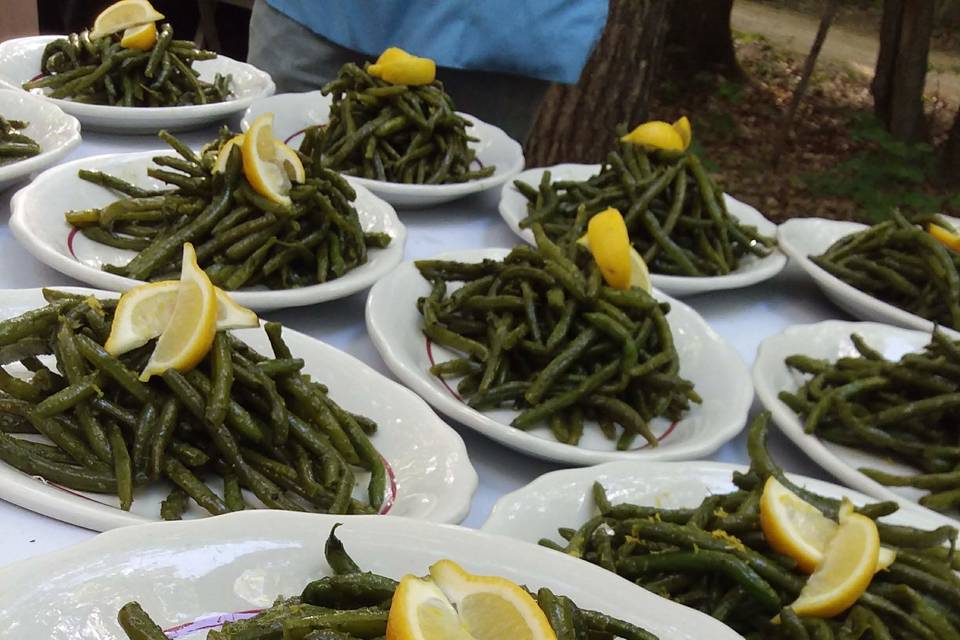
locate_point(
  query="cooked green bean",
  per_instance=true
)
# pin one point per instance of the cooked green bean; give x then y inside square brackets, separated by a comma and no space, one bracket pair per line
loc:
[393,133]
[14,144]
[606,357]
[355,605]
[693,556]
[242,239]
[103,71]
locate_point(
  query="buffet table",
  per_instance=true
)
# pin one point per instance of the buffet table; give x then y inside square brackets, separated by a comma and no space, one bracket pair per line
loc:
[744,317]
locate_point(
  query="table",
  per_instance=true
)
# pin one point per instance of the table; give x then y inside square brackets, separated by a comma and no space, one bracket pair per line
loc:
[744,317]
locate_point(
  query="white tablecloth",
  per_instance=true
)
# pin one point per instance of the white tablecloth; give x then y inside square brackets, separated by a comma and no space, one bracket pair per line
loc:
[744,317]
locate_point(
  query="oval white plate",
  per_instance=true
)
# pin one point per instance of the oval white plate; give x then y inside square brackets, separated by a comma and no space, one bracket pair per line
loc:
[20,62]
[801,238]
[37,221]
[830,340]
[182,572]
[706,359]
[55,132]
[431,475]
[293,112]
[513,209]
[563,498]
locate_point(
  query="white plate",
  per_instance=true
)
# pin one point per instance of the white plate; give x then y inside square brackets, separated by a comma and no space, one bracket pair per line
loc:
[564,499]
[830,340]
[55,132]
[431,475]
[801,238]
[181,572]
[293,112]
[37,221]
[706,359]
[20,62]
[513,209]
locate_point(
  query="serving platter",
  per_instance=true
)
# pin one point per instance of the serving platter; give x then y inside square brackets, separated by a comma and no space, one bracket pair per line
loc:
[830,340]
[801,238]
[706,359]
[37,221]
[430,475]
[752,270]
[55,132]
[190,575]
[20,62]
[294,112]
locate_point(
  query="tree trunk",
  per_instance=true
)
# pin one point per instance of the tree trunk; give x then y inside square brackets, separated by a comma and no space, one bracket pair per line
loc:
[576,123]
[901,69]
[950,162]
[699,38]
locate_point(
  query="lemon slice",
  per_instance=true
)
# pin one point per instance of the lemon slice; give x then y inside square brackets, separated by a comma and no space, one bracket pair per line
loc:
[799,530]
[144,312]
[849,561]
[269,165]
[683,128]
[619,262]
[142,37]
[220,164]
[123,15]
[946,237]
[396,66]
[658,135]
[453,604]
[187,337]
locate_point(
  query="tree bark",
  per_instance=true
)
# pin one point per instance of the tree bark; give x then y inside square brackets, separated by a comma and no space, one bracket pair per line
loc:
[901,69]
[699,38]
[576,123]
[950,161]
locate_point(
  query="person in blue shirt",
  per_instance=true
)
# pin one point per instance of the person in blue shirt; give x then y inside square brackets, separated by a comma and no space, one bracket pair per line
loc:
[496,58]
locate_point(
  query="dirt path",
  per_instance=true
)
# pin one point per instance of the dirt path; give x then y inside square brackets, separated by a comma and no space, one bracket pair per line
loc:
[795,32]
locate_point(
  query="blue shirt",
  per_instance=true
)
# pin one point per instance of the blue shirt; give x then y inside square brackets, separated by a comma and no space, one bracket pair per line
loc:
[547,39]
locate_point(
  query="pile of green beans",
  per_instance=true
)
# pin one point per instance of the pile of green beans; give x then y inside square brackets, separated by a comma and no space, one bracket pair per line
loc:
[240,418]
[714,558]
[676,216]
[352,604]
[541,331]
[393,133]
[242,238]
[900,263]
[15,145]
[905,410]
[101,71]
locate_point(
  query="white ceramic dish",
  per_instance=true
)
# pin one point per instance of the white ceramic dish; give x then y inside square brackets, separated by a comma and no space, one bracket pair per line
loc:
[801,238]
[293,112]
[20,62]
[431,475]
[830,340]
[182,572]
[563,498]
[55,132]
[513,209]
[37,221]
[715,368]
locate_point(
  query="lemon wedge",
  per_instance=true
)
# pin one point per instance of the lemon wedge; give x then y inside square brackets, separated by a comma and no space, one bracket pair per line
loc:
[188,334]
[269,165]
[658,134]
[144,312]
[453,604]
[220,164]
[123,15]
[396,66]
[619,262]
[946,237]
[849,561]
[142,37]
[799,530]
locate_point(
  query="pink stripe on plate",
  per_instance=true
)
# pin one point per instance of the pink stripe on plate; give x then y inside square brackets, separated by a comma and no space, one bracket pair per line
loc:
[208,622]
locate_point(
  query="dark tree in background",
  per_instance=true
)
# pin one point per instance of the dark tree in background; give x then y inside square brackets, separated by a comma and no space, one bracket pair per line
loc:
[950,163]
[699,38]
[902,67]
[575,123]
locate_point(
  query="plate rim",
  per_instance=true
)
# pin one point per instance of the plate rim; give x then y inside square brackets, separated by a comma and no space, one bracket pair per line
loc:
[47,157]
